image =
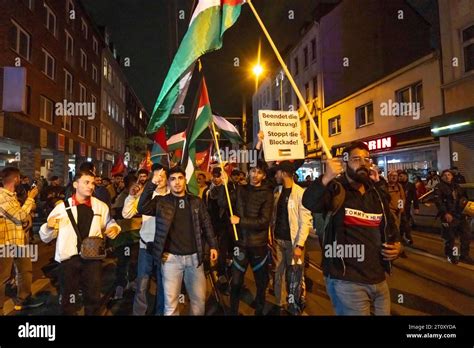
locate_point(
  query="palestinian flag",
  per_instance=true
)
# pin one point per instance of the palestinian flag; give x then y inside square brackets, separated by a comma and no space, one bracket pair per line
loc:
[230,13]
[160,147]
[203,159]
[196,126]
[210,19]
[227,129]
[176,141]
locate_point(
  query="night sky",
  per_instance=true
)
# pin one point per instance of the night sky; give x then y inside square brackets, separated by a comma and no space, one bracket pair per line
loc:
[140,30]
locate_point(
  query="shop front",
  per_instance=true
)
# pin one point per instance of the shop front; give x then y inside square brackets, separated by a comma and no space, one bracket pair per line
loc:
[414,151]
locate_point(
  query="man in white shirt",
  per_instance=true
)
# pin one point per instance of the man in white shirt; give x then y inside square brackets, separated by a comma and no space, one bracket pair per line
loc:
[92,217]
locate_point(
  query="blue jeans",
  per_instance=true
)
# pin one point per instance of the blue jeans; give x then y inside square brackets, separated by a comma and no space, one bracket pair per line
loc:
[173,269]
[350,298]
[146,264]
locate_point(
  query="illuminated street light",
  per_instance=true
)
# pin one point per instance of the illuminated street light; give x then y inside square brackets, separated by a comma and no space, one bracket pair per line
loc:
[257,70]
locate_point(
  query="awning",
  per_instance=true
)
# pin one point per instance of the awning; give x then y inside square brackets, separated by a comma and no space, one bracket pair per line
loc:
[452,123]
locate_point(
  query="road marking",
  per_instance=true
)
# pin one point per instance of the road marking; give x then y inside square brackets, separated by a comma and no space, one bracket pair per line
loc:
[439,258]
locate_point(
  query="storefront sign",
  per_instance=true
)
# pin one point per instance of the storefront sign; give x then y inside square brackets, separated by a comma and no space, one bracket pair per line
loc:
[374,145]
[380,144]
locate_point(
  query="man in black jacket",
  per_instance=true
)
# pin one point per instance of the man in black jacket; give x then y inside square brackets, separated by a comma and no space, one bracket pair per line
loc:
[252,217]
[183,226]
[410,194]
[361,237]
[450,200]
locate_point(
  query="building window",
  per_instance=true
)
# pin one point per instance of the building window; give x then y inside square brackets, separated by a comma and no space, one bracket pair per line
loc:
[313,49]
[108,138]
[106,64]
[82,128]
[83,60]
[69,44]
[95,45]
[364,115]
[49,64]
[468,48]
[103,136]
[46,110]
[67,123]
[82,93]
[93,134]
[67,84]
[334,125]
[305,55]
[94,73]
[306,88]
[20,41]
[50,20]
[315,87]
[418,91]
[409,95]
[295,64]
[110,74]
[94,102]
[84,28]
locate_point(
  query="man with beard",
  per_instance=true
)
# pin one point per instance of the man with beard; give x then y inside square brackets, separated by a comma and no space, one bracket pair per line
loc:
[142,176]
[360,238]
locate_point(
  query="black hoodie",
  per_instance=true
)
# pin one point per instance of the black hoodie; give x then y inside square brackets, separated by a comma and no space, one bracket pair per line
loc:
[359,224]
[254,207]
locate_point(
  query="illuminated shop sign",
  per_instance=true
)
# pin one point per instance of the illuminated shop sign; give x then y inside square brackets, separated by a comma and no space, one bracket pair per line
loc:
[374,145]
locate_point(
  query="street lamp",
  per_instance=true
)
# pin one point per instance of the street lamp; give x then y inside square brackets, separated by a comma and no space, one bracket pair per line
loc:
[257,70]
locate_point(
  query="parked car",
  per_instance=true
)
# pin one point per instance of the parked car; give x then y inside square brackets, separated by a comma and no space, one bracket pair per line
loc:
[428,217]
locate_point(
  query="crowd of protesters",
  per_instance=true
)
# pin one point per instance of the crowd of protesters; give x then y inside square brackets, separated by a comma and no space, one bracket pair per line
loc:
[159,232]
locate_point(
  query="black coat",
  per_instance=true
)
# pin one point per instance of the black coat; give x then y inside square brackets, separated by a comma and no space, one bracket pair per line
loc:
[164,208]
[254,208]
[410,193]
[447,199]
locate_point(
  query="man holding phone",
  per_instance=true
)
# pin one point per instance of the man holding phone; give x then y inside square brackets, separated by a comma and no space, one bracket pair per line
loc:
[360,238]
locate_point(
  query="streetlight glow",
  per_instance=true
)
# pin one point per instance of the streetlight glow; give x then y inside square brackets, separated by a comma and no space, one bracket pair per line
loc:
[257,70]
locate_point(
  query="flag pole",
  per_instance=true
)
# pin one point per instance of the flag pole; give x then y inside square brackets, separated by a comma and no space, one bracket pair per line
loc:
[292,81]
[214,133]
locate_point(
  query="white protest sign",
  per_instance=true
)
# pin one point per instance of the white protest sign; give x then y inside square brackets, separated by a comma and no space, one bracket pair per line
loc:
[282,139]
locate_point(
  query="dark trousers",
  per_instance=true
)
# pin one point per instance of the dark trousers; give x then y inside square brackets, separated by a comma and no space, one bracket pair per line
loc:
[459,226]
[225,237]
[127,256]
[405,228]
[78,274]
[24,276]
[258,259]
